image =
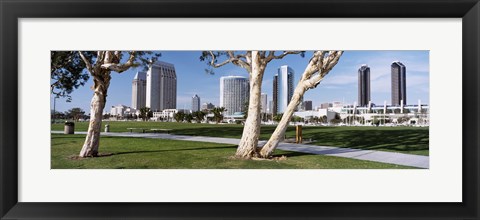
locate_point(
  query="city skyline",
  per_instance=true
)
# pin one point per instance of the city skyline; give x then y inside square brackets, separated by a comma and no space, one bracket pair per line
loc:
[339,85]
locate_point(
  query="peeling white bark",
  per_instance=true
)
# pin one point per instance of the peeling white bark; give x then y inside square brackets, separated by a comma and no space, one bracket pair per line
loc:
[255,63]
[318,67]
[92,141]
[106,62]
[247,147]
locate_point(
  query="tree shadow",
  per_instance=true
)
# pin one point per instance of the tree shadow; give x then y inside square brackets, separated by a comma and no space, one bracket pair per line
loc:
[173,150]
[400,140]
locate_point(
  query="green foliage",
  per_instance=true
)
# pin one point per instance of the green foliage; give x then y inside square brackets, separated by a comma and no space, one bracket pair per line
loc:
[218,114]
[189,118]
[245,110]
[199,116]
[66,73]
[403,119]
[179,116]
[68,70]
[75,114]
[277,118]
[296,119]
[336,121]
[145,113]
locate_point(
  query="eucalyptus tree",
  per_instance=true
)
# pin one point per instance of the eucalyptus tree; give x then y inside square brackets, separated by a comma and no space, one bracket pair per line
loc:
[318,67]
[100,65]
[255,63]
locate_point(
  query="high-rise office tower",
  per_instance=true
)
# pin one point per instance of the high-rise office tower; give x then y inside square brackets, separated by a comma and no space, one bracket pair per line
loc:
[263,101]
[161,86]
[399,84]
[307,105]
[270,106]
[274,108]
[195,103]
[234,93]
[363,85]
[139,90]
[282,88]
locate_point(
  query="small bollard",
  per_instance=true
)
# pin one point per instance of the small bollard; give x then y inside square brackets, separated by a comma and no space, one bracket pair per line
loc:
[298,134]
[107,128]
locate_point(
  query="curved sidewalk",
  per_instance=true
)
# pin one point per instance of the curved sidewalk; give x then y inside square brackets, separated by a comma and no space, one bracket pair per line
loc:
[418,161]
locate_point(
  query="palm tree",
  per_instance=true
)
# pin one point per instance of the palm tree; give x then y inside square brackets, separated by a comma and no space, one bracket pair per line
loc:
[199,116]
[188,118]
[218,114]
[179,116]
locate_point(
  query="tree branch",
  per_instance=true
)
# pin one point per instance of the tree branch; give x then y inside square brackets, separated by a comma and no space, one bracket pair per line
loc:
[215,65]
[117,67]
[271,55]
[234,59]
[87,63]
[100,57]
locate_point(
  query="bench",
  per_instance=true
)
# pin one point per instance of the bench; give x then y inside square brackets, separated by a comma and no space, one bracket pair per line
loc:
[157,130]
[131,129]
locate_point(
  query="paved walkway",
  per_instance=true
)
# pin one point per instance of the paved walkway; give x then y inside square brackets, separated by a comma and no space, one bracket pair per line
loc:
[370,155]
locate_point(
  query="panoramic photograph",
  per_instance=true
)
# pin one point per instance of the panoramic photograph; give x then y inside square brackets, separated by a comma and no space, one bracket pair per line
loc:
[318,109]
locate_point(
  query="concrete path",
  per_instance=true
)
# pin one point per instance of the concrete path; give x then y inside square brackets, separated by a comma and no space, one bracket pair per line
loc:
[370,155]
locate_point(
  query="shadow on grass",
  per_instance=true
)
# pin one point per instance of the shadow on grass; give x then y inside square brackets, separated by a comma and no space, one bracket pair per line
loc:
[374,139]
[291,154]
[174,150]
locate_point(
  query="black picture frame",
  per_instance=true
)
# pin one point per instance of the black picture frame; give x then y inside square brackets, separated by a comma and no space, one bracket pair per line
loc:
[12,10]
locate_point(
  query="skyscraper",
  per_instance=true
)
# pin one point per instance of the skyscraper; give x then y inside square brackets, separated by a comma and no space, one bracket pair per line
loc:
[282,88]
[399,83]
[139,90]
[161,86]
[270,107]
[234,93]
[363,85]
[274,107]
[263,100]
[307,105]
[195,103]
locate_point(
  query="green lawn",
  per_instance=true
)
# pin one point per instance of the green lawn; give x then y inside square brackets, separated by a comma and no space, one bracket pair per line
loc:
[145,153]
[410,140]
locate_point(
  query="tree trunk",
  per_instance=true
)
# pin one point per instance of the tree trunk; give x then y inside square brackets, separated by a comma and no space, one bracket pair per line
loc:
[92,141]
[247,147]
[279,133]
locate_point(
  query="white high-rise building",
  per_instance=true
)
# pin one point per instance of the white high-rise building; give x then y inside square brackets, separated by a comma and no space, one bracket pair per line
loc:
[284,87]
[195,103]
[139,90]
[263,101]
[161,87]
[234,93]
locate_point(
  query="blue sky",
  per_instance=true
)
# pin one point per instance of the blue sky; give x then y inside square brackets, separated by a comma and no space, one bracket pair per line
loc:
[339,85]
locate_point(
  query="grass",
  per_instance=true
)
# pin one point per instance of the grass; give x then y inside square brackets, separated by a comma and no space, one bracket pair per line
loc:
[409,140]
[145,153]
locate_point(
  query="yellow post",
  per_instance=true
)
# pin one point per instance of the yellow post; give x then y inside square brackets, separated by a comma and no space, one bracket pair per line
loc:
[298,136]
